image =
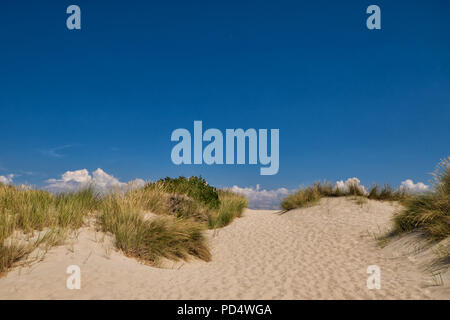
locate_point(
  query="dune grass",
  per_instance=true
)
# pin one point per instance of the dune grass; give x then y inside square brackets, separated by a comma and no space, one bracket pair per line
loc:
[386,193]
[304,197]
[429,212]
[177,232]
[185,207]
[311,195]
[231,206]
[31,212]
[150,239]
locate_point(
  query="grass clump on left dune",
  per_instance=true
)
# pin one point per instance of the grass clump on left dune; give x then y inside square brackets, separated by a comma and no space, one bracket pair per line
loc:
[185,207]
[39,218]
[150,239]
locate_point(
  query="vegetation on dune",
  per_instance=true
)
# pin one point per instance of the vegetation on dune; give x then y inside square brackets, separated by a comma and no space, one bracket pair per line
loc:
[33,211]
[429,212]
[386,193]
[311,195]
[302,198]
[183,214]
[194,187]
[231,206]
[185,208]
[151,239]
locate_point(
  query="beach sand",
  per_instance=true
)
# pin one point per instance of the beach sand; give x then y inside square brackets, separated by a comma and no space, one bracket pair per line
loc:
[320,252]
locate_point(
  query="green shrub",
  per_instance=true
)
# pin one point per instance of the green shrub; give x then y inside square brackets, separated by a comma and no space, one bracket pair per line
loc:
[194,187]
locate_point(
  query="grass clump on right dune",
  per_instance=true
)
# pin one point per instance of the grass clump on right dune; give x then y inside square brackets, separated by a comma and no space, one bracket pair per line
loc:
[302,198]
[311,195]
[386,193]
[428,212]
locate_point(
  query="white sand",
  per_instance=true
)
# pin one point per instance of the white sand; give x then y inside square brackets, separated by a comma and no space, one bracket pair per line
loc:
[320,252]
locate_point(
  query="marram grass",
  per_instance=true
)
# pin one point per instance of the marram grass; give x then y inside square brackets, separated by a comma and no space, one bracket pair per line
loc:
[44,219]
[34,211]
[429,212]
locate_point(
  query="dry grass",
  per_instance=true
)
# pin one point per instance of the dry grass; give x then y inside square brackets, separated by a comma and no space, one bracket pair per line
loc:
[36,212]
[386,193]
[149,240]
[302,198]
[311,195]
[31,219]
[430,212]
[231,206]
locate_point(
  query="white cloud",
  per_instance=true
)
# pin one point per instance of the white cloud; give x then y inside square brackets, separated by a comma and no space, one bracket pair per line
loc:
[106,181]
[137,183]
[409,186]
[345,186]
[7,179]
[100,180]
[262,199]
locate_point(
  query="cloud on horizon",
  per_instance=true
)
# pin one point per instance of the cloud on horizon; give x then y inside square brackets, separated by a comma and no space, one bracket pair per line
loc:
[7,179]
[345,186]
[270,199]
[258,198]
[409,186]
[100,180]
[262,199]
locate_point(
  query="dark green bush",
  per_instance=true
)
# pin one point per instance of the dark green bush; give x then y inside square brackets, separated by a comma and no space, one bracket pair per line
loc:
[194,187]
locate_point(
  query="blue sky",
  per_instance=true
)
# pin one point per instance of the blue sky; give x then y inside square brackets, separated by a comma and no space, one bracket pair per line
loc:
[348,101]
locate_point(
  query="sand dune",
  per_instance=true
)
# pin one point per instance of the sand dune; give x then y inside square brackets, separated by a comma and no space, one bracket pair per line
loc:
[320,252]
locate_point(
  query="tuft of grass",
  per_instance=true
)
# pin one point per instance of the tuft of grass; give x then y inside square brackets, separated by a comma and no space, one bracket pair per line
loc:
[429,212]
[310,195]
[302,198]
[32,211]
[149,240]
[31,219]
[386,193]
[231,206]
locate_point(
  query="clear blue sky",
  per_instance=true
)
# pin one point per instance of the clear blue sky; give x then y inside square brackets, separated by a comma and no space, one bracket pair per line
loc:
[348,101]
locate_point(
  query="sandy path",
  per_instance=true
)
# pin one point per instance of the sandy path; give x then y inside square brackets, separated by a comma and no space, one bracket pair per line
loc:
[320,252]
